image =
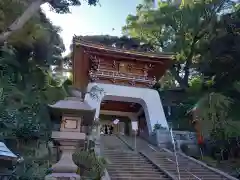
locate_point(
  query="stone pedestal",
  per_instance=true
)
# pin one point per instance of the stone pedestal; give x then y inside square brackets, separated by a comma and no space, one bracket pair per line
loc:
[65,169]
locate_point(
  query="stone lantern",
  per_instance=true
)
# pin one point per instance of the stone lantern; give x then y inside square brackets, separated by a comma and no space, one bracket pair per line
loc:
[72,114]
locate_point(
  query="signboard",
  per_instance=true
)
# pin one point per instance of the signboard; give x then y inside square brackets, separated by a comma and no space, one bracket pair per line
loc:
[116,121]
[134,125]
[70,124]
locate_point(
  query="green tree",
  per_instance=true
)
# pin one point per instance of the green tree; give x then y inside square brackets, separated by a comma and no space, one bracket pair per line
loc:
[220,58]
[26,10]
[178,29]
[26,86]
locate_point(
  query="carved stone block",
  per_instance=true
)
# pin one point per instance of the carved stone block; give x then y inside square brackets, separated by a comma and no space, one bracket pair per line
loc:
[71,124]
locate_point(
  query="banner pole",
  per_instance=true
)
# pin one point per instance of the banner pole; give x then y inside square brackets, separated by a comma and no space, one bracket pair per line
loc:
[175,154]
[135,143]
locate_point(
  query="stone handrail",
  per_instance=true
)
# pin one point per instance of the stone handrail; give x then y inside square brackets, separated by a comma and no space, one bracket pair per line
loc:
[204,165]
[125,142]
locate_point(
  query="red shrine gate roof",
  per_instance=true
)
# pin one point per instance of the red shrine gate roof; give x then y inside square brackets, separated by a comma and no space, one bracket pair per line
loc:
[94,62]
[124,52]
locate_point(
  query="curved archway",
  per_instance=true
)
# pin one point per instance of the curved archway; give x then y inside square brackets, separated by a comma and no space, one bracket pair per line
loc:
[148,98]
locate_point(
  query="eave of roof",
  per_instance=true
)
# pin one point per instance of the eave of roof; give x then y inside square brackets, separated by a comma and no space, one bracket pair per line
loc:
[78,41]
[72,103]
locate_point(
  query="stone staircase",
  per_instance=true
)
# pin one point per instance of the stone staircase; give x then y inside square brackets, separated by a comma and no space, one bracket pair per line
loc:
[125,164]
[189,169]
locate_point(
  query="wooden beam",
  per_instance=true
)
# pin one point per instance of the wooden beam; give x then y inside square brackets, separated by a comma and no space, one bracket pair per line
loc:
[117,113]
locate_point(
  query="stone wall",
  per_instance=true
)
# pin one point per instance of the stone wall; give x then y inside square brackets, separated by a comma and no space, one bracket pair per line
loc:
[162,138]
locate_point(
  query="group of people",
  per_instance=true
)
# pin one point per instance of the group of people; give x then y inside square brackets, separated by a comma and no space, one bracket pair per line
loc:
[107,129]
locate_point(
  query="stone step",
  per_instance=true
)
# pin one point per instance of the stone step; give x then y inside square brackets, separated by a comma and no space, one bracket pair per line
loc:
[112,151]
[137,178]
[122,155]
[132,173]
[188,168]
[140,171]
[129,160]
[136,168]
[127,164]
[197,170]
[129,175]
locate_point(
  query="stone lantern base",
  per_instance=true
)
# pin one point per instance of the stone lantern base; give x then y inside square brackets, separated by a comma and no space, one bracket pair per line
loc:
[65,169]
[62,176]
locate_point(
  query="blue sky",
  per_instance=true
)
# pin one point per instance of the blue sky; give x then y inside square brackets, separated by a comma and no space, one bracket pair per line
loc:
[86,20]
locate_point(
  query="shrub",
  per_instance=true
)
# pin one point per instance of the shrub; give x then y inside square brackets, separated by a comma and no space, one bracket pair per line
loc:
[90,165]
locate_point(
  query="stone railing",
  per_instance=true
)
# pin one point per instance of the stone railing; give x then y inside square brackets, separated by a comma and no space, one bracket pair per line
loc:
[162,138]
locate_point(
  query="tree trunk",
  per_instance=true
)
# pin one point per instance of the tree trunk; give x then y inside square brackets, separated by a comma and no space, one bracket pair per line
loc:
[20,21]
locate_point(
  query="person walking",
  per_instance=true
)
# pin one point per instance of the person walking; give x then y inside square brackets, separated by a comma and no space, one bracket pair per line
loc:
[111,129]
[106,129]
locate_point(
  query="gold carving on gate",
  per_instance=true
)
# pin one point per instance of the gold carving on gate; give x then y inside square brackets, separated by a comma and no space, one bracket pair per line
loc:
[118,72]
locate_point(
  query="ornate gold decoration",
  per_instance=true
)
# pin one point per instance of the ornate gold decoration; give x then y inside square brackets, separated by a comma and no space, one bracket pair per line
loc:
[114,76]
[132,83]
[95,62]
[114,64]
[93,76]
[129,67]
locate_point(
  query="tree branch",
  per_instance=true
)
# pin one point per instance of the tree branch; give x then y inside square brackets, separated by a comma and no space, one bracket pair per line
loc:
[197,37]
[21,21]
[189,59]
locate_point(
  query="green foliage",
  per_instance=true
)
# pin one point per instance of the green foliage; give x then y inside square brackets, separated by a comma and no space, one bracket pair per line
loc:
[220,59]
[213,115]
[36,160]
[24,98]
[38,36]
[26,84]
[167,82]
[26,88]
[204,35]
[181,30]
[90,165]
[158,127]
[195,84]
[63,6]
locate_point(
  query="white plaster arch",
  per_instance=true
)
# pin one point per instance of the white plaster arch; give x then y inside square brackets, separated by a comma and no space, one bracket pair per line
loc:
[148,98]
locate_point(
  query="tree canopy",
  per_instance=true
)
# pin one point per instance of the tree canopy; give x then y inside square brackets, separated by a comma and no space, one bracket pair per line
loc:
[204,35]
[28,10]
[180,29]
[26,85]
